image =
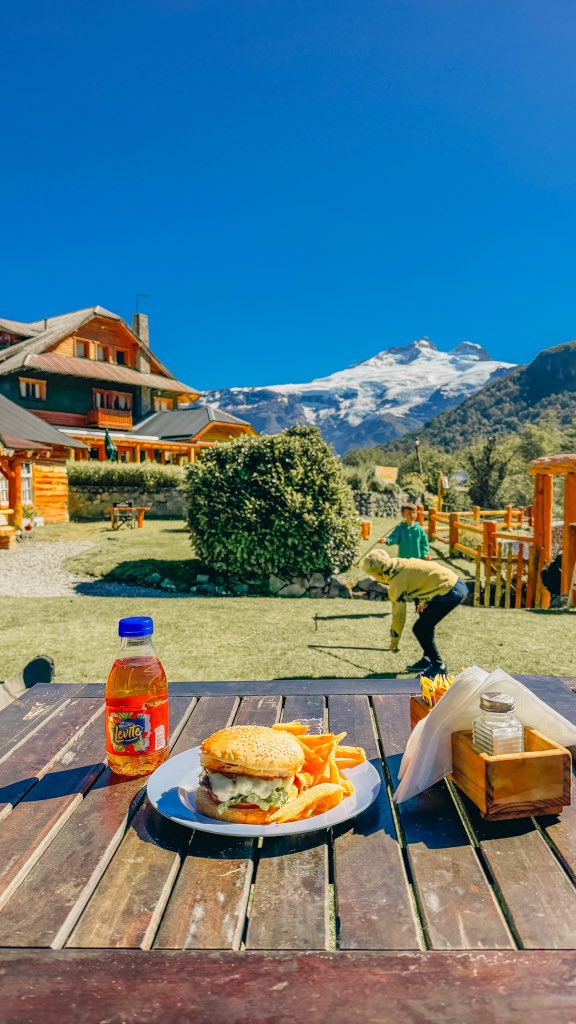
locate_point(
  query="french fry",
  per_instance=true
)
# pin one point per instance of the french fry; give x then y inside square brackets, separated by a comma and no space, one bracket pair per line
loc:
[330,801]
[296,728]
[294,809]
[320,781]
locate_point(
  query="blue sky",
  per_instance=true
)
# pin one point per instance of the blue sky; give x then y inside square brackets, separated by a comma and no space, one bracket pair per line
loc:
[298,183]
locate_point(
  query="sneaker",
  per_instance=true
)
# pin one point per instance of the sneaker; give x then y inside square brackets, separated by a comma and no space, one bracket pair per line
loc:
[421,666]
[440,668]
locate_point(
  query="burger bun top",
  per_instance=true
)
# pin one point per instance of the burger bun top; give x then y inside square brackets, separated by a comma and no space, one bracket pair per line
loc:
[252,750]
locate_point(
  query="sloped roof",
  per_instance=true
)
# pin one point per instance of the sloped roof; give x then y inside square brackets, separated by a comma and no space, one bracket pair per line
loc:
[17,327]
[180,424]
[20,428]
[46,333]
[73,366]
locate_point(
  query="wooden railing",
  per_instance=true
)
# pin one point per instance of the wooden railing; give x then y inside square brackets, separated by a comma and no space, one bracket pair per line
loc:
[504,577]
[118,419]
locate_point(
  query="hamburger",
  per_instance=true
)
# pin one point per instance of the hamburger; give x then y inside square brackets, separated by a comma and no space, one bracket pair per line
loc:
[248,773]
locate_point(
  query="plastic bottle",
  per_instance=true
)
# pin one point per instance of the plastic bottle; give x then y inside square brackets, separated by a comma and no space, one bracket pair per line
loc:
[497,730]
[136,702]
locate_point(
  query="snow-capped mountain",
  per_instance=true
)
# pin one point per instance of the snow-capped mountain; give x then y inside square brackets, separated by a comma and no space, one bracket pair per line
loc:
[371,402]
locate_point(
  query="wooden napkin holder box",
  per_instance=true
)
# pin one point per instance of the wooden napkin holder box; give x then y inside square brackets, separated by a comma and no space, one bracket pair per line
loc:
[536,782]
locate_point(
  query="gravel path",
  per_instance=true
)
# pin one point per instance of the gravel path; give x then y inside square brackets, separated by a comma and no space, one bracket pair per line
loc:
[35,569]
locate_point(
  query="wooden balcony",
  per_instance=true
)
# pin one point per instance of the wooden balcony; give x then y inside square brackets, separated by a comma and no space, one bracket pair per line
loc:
[116,419]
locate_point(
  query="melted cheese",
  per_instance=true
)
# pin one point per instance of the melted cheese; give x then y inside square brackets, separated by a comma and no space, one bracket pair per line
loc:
[225,788]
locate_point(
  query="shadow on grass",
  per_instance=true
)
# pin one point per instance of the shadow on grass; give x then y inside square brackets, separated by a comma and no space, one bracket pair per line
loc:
[150,572]
[362,614]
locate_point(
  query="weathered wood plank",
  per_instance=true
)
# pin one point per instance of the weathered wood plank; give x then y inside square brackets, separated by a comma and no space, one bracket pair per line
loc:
[304,687]
[286,687]
[207,907]
[291,893]
[308,709]
[455,898]
[249,988]
[29,712]
[373,902]
[539,898]
[28,830]
[45,908]
[33,756]
[126,907]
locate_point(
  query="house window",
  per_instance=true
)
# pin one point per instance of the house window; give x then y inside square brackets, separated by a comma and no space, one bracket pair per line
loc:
[27,490]
[121,357]
[82,349]
[35,390]
[120,400]
[4,498]
[100,353]
[163,404]
[94,454]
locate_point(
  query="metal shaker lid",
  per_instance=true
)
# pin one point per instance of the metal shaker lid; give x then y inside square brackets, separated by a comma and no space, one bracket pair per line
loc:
[498,702]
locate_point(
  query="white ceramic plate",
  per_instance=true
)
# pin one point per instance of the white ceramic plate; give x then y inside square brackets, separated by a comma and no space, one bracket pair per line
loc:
[171,792]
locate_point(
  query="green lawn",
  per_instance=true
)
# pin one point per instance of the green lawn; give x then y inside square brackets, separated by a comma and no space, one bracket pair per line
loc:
[255,638]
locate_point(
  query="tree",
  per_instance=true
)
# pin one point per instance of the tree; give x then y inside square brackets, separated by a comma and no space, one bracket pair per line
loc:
[272,505]
[488,465]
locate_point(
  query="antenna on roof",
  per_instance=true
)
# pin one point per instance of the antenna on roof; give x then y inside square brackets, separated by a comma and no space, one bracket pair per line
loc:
[142,295]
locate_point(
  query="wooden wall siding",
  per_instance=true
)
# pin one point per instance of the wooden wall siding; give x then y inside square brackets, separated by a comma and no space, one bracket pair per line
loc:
[50,481]
[222,432]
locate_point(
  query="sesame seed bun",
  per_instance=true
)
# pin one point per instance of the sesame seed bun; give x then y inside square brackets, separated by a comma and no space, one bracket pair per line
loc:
[252,750]
[237,815]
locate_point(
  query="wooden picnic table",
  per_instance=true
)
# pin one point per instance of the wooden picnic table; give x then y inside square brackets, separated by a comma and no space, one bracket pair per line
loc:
[136,510]
[421,912]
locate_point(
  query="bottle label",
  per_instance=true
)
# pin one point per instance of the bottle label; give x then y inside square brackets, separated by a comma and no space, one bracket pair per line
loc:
[134,726]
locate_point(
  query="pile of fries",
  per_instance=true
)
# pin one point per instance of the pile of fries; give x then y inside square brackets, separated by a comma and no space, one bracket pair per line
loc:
[320,781]
[434,689]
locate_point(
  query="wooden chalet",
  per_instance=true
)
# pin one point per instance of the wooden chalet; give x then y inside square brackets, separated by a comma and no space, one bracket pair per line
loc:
[88,372]
[33,473]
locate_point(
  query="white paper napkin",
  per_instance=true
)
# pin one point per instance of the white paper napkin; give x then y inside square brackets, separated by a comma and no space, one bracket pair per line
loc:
[428,754]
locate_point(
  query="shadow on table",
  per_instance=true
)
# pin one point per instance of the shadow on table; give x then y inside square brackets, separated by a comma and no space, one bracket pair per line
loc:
[55,784]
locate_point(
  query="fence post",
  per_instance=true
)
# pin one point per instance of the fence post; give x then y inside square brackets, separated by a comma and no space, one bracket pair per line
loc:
[431,524]
[453,532]
[508,517]
[490,538]
[476,514]
[568,553]
[571,561]
[420,514]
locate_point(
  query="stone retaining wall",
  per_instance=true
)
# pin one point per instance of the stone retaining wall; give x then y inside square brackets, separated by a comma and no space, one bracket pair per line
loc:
[93,502]
[372,503]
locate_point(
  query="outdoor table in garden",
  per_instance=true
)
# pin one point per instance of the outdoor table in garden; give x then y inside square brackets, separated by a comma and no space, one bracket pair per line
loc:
[117,512]
[110,912]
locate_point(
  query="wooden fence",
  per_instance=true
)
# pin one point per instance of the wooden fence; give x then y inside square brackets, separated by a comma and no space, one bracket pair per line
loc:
[508,564]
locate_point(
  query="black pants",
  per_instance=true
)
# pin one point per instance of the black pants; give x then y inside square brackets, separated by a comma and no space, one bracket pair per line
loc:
[436,610]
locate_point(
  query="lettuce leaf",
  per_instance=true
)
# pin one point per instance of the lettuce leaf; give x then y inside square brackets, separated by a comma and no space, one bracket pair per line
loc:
[276,799]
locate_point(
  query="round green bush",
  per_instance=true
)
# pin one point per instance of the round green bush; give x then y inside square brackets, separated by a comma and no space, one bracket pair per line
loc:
[261,505]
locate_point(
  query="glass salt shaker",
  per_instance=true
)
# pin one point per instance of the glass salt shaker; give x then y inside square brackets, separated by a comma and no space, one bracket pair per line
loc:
[497,730]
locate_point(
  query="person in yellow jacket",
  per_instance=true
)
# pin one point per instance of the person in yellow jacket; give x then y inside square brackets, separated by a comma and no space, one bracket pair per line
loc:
[437,591]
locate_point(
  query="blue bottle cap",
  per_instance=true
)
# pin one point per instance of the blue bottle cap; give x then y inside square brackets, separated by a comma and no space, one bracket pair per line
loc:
[136,625]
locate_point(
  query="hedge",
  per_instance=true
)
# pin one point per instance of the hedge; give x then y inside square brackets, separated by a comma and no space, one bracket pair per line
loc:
[274,504]
[146,476]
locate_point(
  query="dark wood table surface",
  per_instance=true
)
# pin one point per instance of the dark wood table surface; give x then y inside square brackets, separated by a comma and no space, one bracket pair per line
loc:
[418,912]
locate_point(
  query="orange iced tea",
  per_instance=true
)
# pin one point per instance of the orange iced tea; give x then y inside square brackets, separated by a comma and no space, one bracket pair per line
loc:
[136,702]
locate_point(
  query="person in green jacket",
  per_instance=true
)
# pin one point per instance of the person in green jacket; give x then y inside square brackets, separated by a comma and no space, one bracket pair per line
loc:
[437,591]
[408,535]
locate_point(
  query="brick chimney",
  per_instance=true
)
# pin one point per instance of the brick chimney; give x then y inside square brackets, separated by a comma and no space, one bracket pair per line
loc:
[140,327]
